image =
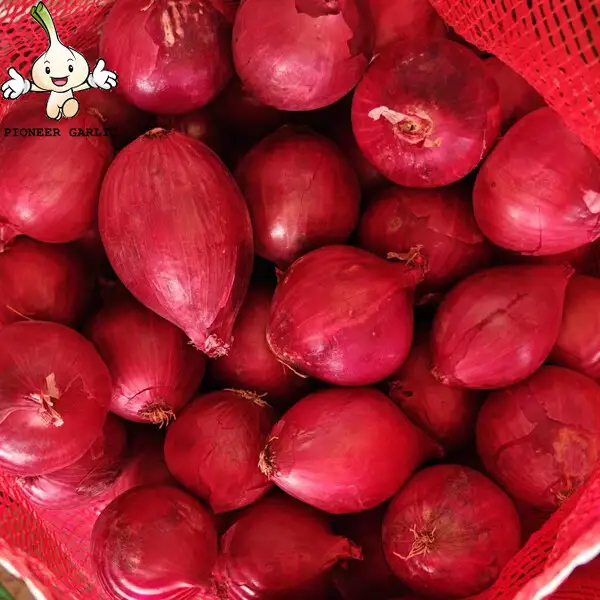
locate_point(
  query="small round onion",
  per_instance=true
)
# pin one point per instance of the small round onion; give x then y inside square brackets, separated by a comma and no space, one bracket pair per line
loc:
[450,531]
[541,438]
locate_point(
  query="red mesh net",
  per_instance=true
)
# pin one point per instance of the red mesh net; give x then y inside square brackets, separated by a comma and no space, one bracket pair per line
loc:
[555,45]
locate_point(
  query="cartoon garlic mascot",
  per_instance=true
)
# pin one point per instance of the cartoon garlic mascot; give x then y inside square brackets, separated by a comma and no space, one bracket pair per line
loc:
[60,70]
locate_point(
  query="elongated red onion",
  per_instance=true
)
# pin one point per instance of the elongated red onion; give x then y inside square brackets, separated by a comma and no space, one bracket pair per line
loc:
[302,194]
[42,282]
[539,190]
[54,397]
[199,124]
[440,220]
[498,326]
[181,243]
[250,365]
[57,200]
[517,97]
[446,413]
[276,546]
[450,531]
[578,343]
[154,369]
[214,446]
[405,20]
[541,438]
[154,542]
[172,56]
[370,577]
[304,55]
[420,133]
[344,450]
[343,315]
[87,478]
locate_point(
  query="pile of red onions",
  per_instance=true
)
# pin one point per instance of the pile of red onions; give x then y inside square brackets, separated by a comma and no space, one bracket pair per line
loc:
[304,55]
[541,438]
[497,327]
[440,221]
[420,133]
[57,200]
[154,541]
[172,56]
[344,450]
[449,532]
[55,397]
[539,190]
[214,446]
[178,235]
[154,369]
[87,478]
[302,194]
[42,282]
[250,365]
[279,548]
[343,315]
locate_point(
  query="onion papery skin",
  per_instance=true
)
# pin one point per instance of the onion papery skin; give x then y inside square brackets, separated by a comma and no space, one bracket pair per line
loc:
[87,478]
[42,282]
[497,327]
[155,370]
[50,200]
[305,55]
[415,131]
[538,192]
[154,542]
[344,450]
[250,365]
[194,268]
[199,124]
[440,221]
[54,397]
[540,439]
[450,531]
[578,343]
[214,446]
[445,413]
[172,56]
[301,192]
[276,548]
[343,315]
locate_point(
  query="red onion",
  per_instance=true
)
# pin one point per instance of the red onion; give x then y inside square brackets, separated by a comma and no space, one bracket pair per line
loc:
[181,244]
[344,450]
[278,545]
[250,364]
[371,577]
[498,326]
[578,343]
[90,476]
[304,55]
[541,438]
[154,542]
[172,56]
[49,186]
[450,531]
[42,282]
[517,97]
[539,190]
[417,132]
[55,397]
[405,20]
[213,448]
[199,124]
[343,315]
[446,413]
[155,371]
[440,220]
[301,192]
